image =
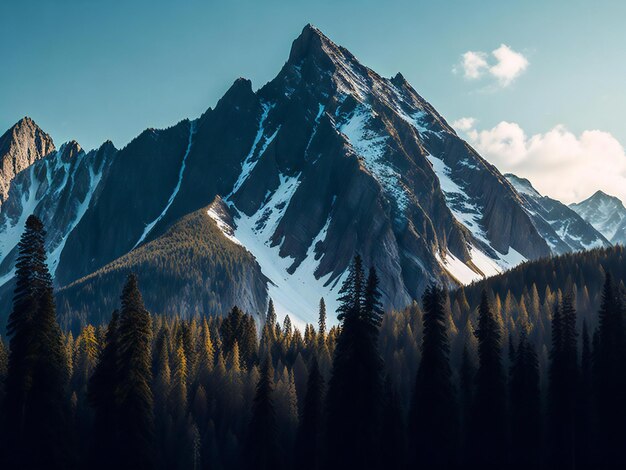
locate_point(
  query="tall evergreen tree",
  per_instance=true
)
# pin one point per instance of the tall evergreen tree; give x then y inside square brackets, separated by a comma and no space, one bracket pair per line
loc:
[563,383]
[308,448]
[609,378]
[102,397]
[322,320]
[134,393]
[355,388]
[585,424]
[434,416]
[35,407]
[488,422]
[525,407]
[261,450]
[393,436]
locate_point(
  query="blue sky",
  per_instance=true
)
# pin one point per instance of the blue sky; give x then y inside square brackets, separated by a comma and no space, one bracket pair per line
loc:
[93,71]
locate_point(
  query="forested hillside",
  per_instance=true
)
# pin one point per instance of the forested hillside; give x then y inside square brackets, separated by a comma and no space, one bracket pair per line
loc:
[523,370]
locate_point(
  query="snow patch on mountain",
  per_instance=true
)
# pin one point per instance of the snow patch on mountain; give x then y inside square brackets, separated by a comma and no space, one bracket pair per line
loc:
[371,147]
[150,226]
[297,294]
[250,162]
[94,181]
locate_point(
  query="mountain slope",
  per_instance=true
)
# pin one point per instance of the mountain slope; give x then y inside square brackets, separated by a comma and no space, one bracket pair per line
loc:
[606,213]
[192,269]
[560,226]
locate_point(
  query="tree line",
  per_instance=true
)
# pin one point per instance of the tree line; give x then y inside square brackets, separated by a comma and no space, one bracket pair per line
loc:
[437,385]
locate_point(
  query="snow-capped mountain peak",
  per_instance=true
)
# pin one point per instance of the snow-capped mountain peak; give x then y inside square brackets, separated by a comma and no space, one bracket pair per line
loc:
[560,226]
[606,213]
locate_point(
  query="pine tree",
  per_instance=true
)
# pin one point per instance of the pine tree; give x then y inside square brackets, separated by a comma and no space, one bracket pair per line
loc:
[393,436]
[466,383]
[563,383]
[488,421]
[308,448]
[36,405]
[434,420]
[355,388]
[608,362]
[322,321]
[525,406]
[102,397]
[261,450]
[134,393]
[586,436]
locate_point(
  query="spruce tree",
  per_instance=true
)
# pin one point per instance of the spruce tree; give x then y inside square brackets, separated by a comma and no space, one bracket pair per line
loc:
[563,383]
[434,417]
[102,397]
[261,450]
[393,435]
[35,407]
[488,422]
[355,388]
[322,321]
[525,407]
[308,448]
[609,379]
[134,393]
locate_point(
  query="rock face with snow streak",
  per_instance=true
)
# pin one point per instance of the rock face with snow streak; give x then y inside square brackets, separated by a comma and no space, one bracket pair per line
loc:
[20,147]
[327,160]
[606,213]
[58,189]
[558,224]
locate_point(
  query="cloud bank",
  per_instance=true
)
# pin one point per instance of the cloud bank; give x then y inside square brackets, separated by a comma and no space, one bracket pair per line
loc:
[559,163]
[503,64]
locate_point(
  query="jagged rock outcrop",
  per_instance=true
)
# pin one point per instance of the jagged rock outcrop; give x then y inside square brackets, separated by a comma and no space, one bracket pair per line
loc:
[21,146]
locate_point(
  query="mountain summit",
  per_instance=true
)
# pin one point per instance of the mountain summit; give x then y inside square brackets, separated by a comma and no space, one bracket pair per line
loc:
[327,160]
[606,213]
[21,146]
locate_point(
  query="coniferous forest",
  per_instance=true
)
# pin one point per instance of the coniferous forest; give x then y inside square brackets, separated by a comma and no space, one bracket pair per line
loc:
[524,370]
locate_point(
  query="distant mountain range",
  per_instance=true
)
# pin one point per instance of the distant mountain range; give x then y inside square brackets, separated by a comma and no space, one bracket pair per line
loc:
[273,191]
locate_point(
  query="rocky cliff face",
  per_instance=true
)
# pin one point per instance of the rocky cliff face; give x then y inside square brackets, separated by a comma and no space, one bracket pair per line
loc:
[20,147]
[327,160]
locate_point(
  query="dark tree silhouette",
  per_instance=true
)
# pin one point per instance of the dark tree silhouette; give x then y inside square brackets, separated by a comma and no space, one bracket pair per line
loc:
[134,393]
[434,416]
[261,451]
[102,397]
[354,397]
[308,447]
[526,437]
[36,405]
[488,422]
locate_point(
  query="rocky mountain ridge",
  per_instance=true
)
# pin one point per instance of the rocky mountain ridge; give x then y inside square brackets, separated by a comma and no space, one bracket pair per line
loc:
[327,160]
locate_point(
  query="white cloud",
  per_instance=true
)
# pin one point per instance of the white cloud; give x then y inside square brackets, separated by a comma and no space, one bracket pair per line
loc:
[464,124]
[510,65]
[559,163]
[474,64]
[504,64]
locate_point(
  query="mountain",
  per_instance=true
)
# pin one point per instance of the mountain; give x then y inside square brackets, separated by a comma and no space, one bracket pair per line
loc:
[559,225]
[606,213]
[327,160]
[20,147]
